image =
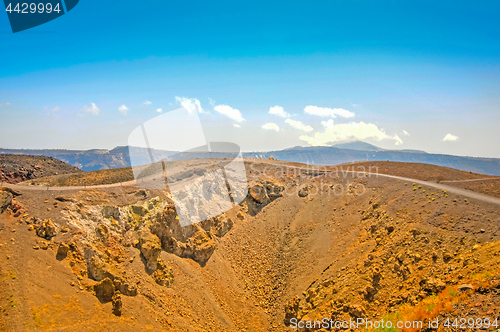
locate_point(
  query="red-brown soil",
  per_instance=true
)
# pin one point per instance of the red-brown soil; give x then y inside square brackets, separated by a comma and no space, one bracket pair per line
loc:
[380,247]
[19,168]
[484,184]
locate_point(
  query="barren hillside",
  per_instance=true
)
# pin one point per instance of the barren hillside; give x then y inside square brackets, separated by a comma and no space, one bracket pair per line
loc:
[19,168]
[303,245]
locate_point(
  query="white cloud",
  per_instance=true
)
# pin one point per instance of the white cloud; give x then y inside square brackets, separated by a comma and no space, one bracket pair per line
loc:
[230,112]
[211,102]
[327,124]
[348,132]
[299,125]
[92,109]
[331,112]
[398,140]
[236,125]
[279,111]
[159,110]
[5,104]
[147,102]
[123,109]
[450,138]
[191,104]
[271,126]
[406,133]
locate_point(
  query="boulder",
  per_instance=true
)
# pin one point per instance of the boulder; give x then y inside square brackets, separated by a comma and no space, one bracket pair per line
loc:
[356,310]
[96,268]
[163,275]
[150,247]
[221,225]
[274,190]
[292,309]
[104,290]
[111,212]
[116,301]
[447,257]
[102,231]
[62,251]
[303,192]
[46,229]
[5,200]
[125,287]
[139,210]
[65,199]
[200,247]
[259,194]
[432,285]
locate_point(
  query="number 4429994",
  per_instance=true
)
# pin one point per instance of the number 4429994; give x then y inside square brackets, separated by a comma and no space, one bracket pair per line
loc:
[32,8]
[471,323]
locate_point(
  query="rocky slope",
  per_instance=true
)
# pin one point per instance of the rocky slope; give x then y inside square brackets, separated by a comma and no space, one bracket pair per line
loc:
[302,246]
[19,168]
[91,160]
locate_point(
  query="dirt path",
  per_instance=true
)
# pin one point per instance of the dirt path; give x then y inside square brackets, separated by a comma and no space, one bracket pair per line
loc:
[448,188]
[470,180]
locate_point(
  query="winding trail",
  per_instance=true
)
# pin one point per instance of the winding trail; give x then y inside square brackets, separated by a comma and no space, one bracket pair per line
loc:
[471,180]
[448,188]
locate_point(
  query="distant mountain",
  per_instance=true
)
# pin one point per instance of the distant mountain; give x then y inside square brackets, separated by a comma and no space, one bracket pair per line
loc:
[92,160]
[358,145]
[324,155]
[362,146]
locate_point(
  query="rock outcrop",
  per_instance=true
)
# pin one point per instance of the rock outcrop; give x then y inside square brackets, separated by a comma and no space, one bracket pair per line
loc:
[163,275]
[432,285]
[150,247]
[104,290]
[191,242]
[5,200]
[116,301]
[259,194]
[46,229]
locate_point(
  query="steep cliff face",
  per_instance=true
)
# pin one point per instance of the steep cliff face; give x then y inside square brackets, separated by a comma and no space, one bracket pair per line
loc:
[296,249]
[90,160]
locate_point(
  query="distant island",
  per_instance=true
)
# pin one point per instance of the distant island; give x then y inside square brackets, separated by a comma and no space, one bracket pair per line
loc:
[99,159]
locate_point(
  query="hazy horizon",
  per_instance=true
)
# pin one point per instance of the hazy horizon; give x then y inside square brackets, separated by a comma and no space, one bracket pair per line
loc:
[400,76]
[263,151]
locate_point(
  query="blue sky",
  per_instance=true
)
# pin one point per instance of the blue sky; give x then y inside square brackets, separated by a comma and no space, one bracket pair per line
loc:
[410,73]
